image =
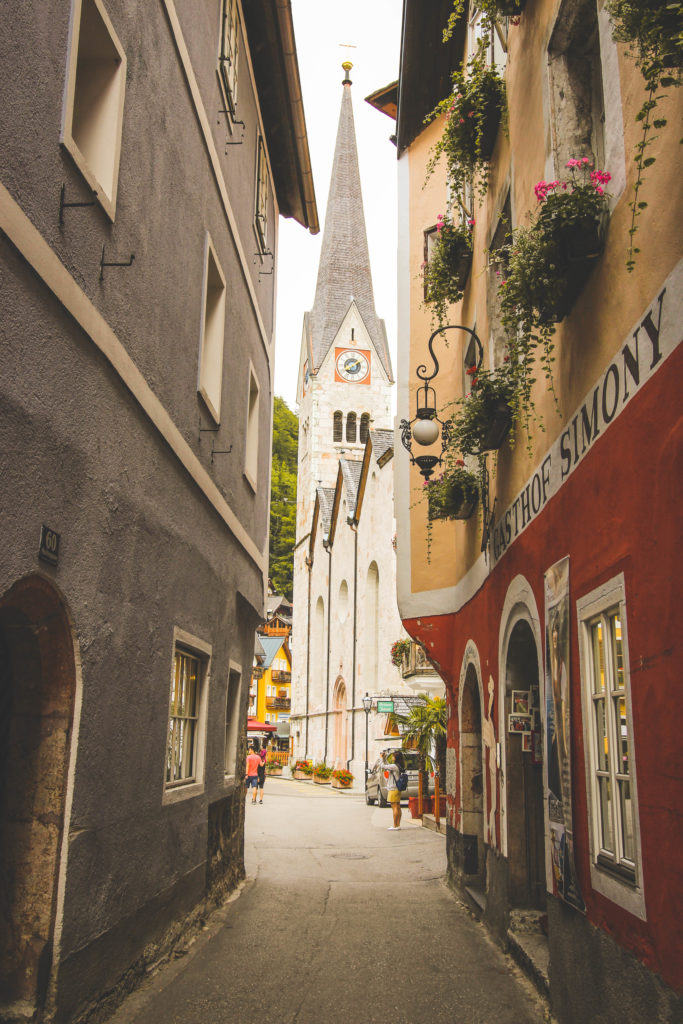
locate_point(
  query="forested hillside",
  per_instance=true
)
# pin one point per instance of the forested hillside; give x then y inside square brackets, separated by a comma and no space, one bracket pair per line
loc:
[283,497]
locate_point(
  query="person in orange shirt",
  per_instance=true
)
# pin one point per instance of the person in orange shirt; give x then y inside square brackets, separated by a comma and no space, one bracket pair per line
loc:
[251,778]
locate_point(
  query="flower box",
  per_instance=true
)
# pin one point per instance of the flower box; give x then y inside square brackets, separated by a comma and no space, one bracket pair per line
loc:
[300,775]
[582,240]
[337,784]
[319,781]
[413,804]
[490,122]
[273,769]
[498,427]
[460,262]
[449,499]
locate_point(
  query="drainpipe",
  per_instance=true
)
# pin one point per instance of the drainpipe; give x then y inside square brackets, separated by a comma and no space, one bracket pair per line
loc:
[354,527]
[329,623]
[309,566]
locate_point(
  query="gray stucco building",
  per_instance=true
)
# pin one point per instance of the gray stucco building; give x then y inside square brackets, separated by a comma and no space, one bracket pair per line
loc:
[146,151]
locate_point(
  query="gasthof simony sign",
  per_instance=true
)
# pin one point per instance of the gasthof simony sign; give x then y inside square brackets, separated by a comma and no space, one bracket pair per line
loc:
[656,335]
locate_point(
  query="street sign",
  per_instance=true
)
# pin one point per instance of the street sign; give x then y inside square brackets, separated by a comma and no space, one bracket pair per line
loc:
[385,707]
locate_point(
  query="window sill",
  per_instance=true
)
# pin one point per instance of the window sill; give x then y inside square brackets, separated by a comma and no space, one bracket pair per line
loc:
[107,202]
[176,794]
[624,893]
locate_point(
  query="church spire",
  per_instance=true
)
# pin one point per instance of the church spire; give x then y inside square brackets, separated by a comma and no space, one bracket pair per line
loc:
[344,270]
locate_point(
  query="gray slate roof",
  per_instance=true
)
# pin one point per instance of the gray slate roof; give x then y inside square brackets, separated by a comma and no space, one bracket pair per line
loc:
[382,441]
[351,470]
[326,498]
[344,270]
[271,645]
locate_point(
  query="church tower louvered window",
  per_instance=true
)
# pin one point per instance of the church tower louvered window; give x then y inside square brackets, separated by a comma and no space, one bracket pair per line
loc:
[337,427]
[351,428]
[364,427]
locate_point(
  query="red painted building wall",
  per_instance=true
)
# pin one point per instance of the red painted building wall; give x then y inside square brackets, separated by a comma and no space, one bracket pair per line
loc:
[618,512]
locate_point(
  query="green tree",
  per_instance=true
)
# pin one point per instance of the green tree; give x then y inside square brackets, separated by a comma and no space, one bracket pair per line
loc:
[425,728]
[283,497]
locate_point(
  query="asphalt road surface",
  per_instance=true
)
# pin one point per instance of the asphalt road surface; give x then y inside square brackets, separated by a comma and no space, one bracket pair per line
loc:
[340,921]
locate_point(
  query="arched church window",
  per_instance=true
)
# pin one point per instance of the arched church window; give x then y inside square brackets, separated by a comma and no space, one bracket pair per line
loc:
[351,428]
[337,427]
[364,427]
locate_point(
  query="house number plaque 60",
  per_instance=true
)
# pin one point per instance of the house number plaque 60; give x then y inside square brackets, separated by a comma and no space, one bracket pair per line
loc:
[49,546]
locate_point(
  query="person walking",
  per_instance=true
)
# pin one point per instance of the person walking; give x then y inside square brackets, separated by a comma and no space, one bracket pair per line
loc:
[251,778]
[262,753]
[391,774]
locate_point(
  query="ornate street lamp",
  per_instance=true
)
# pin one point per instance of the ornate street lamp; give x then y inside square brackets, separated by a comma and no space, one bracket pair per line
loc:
[426,425]
[367,707]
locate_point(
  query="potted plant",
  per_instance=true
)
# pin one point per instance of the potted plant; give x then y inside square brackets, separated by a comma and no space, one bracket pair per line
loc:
[425,728]
[341,778]
[453,495]
[445,274]
[322,774]
[303,769]
[483,417]
[273,768]
[573,214]
[400,649]
[545,266]
[473,113]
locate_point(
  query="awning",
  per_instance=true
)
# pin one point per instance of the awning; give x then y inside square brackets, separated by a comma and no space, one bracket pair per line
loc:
[253,725]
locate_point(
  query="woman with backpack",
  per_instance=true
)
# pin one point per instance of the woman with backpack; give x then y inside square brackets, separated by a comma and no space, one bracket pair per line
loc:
[391,774]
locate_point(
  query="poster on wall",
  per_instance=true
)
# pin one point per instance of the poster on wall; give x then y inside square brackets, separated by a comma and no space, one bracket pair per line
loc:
[558,769]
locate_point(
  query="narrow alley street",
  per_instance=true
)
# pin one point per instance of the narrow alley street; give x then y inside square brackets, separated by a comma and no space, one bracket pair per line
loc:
[340,921]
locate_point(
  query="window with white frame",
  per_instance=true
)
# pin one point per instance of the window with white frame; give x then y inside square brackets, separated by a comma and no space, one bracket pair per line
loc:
[185,742]
[609,755]
[93,107]
[252,438]
[210,377]
[495,41]
[262,196]
[229,54]
[232,719]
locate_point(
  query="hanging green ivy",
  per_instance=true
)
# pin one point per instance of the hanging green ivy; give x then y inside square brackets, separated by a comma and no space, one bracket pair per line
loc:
[653,31]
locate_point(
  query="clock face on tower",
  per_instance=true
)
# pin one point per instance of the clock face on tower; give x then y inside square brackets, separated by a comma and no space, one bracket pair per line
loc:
[352,366]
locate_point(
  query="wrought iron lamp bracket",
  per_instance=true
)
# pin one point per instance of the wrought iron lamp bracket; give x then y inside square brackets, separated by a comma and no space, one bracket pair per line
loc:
[426,408]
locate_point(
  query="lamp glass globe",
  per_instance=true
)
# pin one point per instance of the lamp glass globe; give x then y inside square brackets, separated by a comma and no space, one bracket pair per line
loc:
[426,431]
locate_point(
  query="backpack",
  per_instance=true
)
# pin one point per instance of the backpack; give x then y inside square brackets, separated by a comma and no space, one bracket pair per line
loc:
[402,781]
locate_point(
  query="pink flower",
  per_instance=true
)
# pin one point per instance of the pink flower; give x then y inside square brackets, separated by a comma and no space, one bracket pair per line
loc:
[470,223]
[462,120]
[459,462]
[586,160]
[506,359]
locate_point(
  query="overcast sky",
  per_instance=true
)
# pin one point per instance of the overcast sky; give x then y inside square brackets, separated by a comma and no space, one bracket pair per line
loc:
[371,31]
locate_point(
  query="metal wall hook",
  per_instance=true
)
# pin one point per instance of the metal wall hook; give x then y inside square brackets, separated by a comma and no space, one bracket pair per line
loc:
[230,117]
[219,451]
[129,263]
[261,255]
[63,205]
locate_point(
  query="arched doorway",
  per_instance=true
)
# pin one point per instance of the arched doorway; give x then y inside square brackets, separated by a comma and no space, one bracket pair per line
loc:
[524,777]
[37,691]
[340,720]
[472,783]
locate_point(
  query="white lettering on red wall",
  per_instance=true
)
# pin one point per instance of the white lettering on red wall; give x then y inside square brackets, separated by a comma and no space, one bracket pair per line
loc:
[656,335]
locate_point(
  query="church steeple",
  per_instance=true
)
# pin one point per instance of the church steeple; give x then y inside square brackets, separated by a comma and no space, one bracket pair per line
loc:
[344,270]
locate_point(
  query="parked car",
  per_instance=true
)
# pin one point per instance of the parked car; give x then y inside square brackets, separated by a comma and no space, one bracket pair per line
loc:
[376,784]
